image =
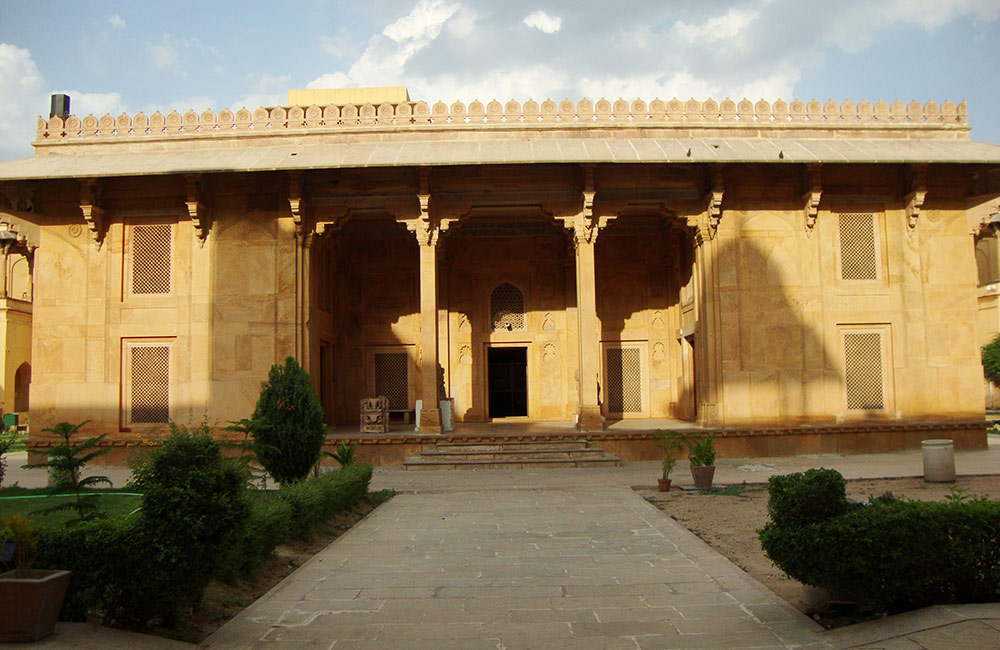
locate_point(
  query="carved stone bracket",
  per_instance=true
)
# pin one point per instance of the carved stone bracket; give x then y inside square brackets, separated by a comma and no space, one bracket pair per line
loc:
[915,198]
[713,199]
[813,195]
[584,225]
[90,206]
[298,203]
[197,210]
[332,220]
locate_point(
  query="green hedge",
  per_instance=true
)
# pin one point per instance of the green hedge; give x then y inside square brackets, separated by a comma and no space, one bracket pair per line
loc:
[119,567]
[991,360]
[893,554]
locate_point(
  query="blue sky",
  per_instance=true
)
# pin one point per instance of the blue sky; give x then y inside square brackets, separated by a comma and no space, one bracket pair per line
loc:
[131,56]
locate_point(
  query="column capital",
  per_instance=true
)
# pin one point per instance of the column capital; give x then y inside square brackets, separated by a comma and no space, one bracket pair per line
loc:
[917,183]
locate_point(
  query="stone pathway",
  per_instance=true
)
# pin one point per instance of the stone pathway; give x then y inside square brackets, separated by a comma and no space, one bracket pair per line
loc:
[580,567]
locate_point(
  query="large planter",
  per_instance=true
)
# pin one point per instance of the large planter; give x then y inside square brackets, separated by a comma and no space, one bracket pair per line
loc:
[31,604]
[703,476]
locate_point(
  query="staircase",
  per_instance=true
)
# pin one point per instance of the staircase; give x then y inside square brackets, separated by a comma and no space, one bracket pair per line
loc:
[513,454]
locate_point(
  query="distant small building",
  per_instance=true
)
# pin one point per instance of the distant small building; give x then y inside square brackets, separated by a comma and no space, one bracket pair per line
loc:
[796,277]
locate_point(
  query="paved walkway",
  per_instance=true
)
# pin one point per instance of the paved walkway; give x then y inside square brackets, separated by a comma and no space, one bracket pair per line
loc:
[564,558]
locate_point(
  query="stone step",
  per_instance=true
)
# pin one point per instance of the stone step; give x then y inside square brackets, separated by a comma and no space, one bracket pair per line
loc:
[512,454]
[421,463]
[501,445]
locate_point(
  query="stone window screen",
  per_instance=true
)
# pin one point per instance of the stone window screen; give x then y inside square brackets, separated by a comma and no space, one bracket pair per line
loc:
[623,390]
[507,308]
[151,259]
[859,246]
[866,379]
[146,389]
[392,378]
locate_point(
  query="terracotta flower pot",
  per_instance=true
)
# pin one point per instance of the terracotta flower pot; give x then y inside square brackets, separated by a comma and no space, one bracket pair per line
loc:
[664,484]
[703,476]
[31,604]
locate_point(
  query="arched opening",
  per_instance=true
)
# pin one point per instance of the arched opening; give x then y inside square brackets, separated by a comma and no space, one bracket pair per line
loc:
[22,387]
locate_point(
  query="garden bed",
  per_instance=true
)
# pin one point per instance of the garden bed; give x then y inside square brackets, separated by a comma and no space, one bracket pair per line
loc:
[728,522]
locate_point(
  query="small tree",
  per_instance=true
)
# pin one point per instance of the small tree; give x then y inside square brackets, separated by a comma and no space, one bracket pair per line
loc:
[66,461]
[287,424]
[991,360]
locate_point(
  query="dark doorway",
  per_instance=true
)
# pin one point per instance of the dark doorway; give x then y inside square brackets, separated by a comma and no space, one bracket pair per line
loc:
[508,382]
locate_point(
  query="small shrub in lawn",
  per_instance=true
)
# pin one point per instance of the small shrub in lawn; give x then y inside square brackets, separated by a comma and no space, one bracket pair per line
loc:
[287,424]
[66,462]
[891,553]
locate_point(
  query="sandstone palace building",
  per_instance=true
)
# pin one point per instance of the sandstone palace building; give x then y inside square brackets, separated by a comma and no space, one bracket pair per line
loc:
[797,277]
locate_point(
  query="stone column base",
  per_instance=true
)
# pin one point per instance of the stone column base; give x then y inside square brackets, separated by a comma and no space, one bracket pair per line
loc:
[589,418]
[430,421]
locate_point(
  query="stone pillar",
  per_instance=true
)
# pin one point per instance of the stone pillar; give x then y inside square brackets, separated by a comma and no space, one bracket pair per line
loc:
[589,342]
[708,361]
[427,350]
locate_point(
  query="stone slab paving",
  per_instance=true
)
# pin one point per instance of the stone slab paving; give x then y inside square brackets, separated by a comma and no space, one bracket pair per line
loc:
[506,568]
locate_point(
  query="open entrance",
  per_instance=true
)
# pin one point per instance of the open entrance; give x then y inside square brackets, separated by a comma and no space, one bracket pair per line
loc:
[508,381]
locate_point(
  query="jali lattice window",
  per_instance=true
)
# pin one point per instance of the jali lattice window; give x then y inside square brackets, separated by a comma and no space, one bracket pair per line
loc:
[507,308]
[151,259]
[865,377]
[392,378]
[859,246]
[147,382]
[623,385]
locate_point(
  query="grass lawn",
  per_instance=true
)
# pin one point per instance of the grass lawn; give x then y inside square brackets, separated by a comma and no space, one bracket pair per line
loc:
[29,501]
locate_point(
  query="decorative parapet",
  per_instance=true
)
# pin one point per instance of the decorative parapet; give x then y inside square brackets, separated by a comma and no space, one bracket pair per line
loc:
[584,114]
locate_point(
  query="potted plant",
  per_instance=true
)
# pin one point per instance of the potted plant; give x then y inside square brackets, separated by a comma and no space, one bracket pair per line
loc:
[701,455]
[669,442]
[32,597]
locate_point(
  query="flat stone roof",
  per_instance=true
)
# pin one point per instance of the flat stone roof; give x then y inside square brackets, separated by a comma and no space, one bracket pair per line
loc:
[286,157]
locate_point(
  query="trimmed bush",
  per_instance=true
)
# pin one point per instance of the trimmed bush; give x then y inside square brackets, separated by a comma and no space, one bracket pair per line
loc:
[806,497]
[136,569]
[194,510]
[287,425]
[893,554]
[991,360]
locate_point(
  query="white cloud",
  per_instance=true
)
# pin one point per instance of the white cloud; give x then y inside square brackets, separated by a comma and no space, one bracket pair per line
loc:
[266,90]
[718,28]
[164,53]
[543,22]
[22,85]
[116,21]
[422,24]
[172,50]
[98,104]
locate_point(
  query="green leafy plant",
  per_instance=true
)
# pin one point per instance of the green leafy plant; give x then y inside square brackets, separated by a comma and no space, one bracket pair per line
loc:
[287,424]
[344,453]
[669,442]
[245,426]
[991,360]
[701,451]
[8,436]
[18,530]
[806,497]
[66,462]
[194,510]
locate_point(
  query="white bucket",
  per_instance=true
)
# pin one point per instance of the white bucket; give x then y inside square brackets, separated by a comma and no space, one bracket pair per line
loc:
[939,460]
